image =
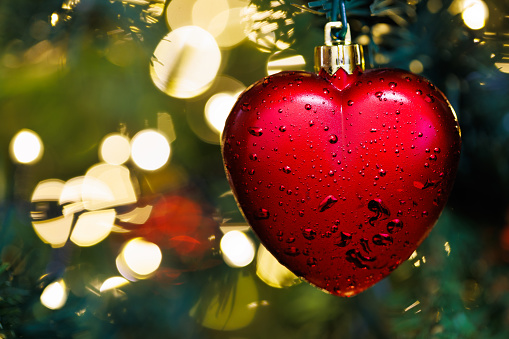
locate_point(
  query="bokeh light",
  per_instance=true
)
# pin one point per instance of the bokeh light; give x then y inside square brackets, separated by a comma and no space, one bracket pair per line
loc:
[416,66]
[271,272]
[93,227]
[185,62]
[106,186]
[287,60]
[150,150]
[474,14]
[54,295]
[112,283]
[218,108]
[139,259]
[26,147]
[238,250]
[115,149]
[229,310]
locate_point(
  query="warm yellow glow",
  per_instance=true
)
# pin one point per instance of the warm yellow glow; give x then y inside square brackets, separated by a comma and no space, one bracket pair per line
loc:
[204,12]
[218,108]
[287,60]
[474,15]
[54,19]
[93,227]
[113,282]
[228,311]
[107,186]
[416,66]
[71,192]
[447,248]
[115,149]
[221,19]
[179,13]
[139,259]
[137,216]
[54,231]
[238,250]
[150,150]
[48,190]
[502,66]
[235,30]
[54,295]
[26,147]
[185,62]
[271,272]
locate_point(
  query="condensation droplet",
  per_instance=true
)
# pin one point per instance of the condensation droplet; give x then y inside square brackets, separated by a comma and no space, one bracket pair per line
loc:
[253,156]
[282,128]
[255,131]
[309,233]
[327,203]
[394,225]
[246,106]
[287,169]
[382,239]
[292,251]
[350,103]
[392,85]
[428,98]
[333,138]
[418,92]
[262,213]
[308,107]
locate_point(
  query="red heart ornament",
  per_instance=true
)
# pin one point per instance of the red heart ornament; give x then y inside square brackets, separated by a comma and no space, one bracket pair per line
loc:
[343,176]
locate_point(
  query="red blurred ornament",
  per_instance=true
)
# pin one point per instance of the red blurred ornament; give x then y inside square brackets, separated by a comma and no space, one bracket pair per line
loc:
[186,232]
[342,176]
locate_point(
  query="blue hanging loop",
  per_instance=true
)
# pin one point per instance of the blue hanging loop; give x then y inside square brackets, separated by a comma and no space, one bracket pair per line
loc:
[334,10]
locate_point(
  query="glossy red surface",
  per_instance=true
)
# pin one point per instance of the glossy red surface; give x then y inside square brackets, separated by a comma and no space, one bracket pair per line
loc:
[342,177]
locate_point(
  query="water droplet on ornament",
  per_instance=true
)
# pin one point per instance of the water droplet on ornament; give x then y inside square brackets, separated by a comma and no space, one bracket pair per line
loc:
[382,172]
[262,213]
[309,233]
[246,106]
[282,128]
[436,150]
[378,94]
[382,239]
[350,103]
[251,172]
[311,123]
[311,261]
[308,107]
[255,131]
[287,169]
[327,203]
[333,138]
[392,85]
[418,92]
[429,98]
[419,135]
[394,225]
[292,251]
[280,110]
[344,240]
[325,91]
[301,213]
[433,157]
[253,156]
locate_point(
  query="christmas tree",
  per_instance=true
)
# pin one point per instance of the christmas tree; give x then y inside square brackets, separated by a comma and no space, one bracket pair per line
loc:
[117,218]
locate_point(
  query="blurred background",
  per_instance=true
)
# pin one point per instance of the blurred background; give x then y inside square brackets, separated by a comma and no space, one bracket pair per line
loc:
[116,218]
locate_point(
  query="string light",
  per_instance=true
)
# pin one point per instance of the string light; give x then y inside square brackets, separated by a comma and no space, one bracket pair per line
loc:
[150,150]
[26,147]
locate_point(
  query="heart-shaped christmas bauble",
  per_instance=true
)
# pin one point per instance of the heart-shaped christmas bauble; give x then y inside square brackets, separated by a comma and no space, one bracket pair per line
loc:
[343,176]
